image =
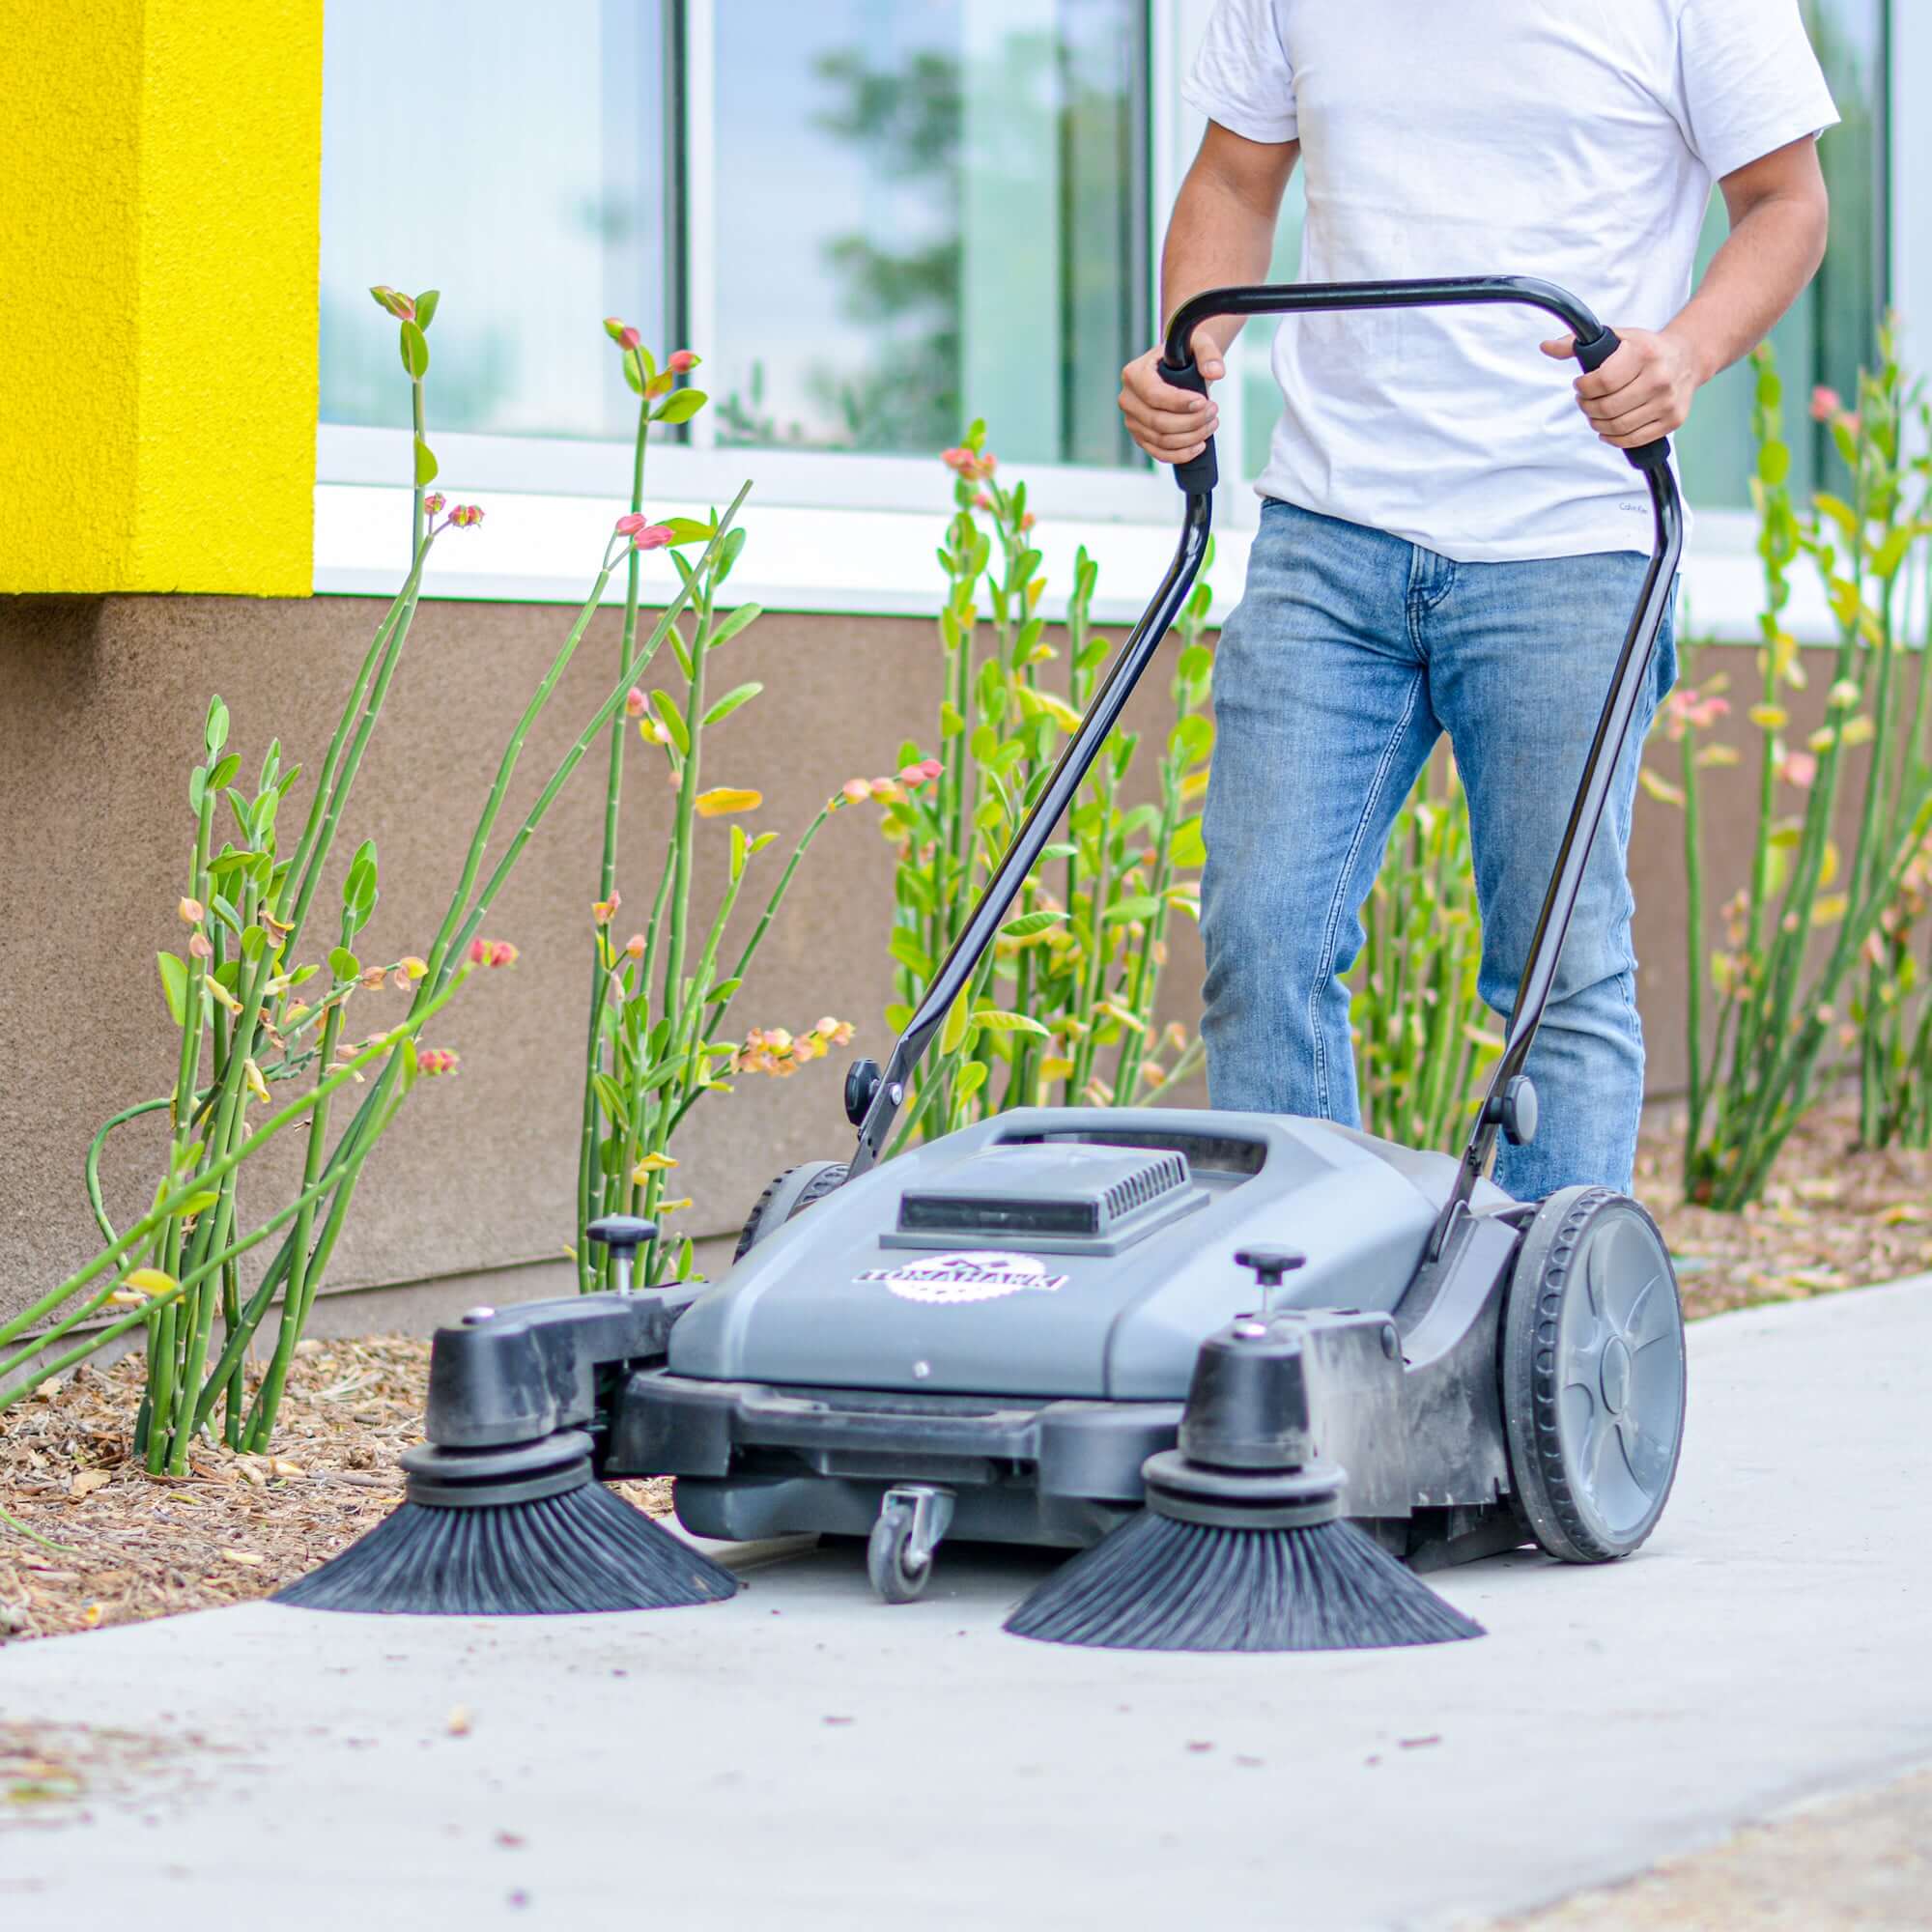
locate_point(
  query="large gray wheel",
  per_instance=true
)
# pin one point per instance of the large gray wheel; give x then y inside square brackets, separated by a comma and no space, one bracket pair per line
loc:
[791,1193]
[1593,1375]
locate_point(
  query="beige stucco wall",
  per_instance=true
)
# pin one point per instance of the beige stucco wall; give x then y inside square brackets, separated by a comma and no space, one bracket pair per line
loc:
[102,704]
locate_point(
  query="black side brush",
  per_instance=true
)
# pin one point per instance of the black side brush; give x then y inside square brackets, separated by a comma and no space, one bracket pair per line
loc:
[1243,1545]
[522,1527]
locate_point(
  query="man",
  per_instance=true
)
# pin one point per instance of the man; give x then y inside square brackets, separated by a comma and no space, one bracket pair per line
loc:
[1444,545]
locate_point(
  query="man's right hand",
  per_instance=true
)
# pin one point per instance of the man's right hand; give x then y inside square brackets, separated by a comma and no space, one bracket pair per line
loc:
[1172,425]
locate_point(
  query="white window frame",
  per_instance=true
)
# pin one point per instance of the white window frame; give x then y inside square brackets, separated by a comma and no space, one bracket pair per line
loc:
[855,533]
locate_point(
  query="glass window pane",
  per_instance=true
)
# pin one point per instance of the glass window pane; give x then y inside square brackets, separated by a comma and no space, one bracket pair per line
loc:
[1832,331]
[927,208]
[513,157]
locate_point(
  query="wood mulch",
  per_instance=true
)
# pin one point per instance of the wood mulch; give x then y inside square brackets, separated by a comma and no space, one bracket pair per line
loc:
[238,1528]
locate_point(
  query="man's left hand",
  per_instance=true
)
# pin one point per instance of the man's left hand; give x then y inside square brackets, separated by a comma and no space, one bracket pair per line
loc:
[1644,390]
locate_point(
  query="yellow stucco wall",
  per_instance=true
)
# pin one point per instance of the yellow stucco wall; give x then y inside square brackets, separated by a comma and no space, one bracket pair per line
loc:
[162,171]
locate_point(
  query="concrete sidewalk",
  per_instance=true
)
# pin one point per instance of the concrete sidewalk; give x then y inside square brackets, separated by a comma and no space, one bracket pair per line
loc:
[805,1757]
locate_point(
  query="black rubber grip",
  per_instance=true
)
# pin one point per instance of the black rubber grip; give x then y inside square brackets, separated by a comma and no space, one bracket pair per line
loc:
[1593,356]
[1199,475]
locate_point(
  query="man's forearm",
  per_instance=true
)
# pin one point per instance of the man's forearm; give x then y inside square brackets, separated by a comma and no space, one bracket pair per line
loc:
[1222,232]
[1772,253]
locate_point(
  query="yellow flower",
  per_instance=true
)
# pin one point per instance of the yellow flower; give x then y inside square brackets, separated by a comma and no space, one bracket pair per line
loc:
[652,1163]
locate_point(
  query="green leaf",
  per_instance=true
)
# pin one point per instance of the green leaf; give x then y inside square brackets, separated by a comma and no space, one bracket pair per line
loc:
[672,721]
[610,1097]
[252,943]
[731,702]
[634,381]
[197,788]
[1030,923]
[425,463]
[415,351]
[1773,464]
[1191,739]
[733,622]
[680,406]
[426,306]
[173,985]
[224,773]
[214,733]
[899,1016]
[688,530]
[226,913]
[1142,905]
[996,1021]
[344,964]
[904,947]
[1187,847]
[972,1077]
[1061,849]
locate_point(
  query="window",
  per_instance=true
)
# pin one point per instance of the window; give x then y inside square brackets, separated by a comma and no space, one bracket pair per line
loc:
[913,209]
[516,159]
[925,211]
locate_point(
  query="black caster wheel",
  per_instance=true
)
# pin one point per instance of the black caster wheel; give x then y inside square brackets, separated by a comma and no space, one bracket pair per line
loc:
[1592,1376]
[791,1193]
[898,1555]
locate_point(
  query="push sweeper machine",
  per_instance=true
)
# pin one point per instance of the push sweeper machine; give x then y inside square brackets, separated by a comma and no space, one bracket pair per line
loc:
[1261,1371]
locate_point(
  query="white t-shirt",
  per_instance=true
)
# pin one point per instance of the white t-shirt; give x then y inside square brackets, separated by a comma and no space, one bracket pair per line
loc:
[1576,140]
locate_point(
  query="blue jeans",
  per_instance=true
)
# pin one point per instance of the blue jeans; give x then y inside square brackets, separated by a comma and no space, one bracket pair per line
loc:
[1351,651]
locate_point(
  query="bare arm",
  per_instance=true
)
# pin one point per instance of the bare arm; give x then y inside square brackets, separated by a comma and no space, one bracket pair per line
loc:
[1779,213]
[1222,232]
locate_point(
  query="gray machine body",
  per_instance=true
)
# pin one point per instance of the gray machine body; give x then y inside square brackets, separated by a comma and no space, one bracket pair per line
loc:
[1014,1312]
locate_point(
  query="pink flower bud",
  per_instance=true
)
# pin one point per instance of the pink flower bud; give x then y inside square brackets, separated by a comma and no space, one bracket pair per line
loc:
[503,952]
[435,1060]
[465,514]
[479,952]
[629,526]
[856,789]
[635,945]
[198,944]
[634,702]
[629,338]
[433,503]
[606,909]
[681,361]
[653,536]
[1824,403]
[399,306]
[192,911]
[373,979]
[1799,769]
[931,767]
[614,326]
[983,501]
[1028,519]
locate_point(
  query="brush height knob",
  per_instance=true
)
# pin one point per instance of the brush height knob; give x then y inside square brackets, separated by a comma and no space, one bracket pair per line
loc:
[1270,1267]
[623,1234]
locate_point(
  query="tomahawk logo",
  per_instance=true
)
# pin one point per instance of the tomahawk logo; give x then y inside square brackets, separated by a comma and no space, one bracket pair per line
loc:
[979,1274]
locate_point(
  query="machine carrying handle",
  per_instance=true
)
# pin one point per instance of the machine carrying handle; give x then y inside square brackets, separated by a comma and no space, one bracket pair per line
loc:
[1199,475]
[1595,343]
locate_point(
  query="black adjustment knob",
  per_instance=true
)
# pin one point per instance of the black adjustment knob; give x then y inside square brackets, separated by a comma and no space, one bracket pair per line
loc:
[623,1234]
[1515,1110]
[862,1082]
[1270,1265]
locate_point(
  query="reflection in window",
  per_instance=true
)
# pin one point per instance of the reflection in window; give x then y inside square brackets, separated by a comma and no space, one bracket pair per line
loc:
[516,159]
[927,209]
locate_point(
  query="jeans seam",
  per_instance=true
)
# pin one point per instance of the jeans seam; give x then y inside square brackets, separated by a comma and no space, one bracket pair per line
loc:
[1325,958]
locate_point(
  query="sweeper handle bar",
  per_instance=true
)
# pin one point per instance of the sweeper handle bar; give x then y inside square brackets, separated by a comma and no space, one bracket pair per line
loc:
[878,1096]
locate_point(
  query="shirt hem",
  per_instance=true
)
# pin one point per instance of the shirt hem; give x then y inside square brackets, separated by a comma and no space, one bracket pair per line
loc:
[1580,541]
